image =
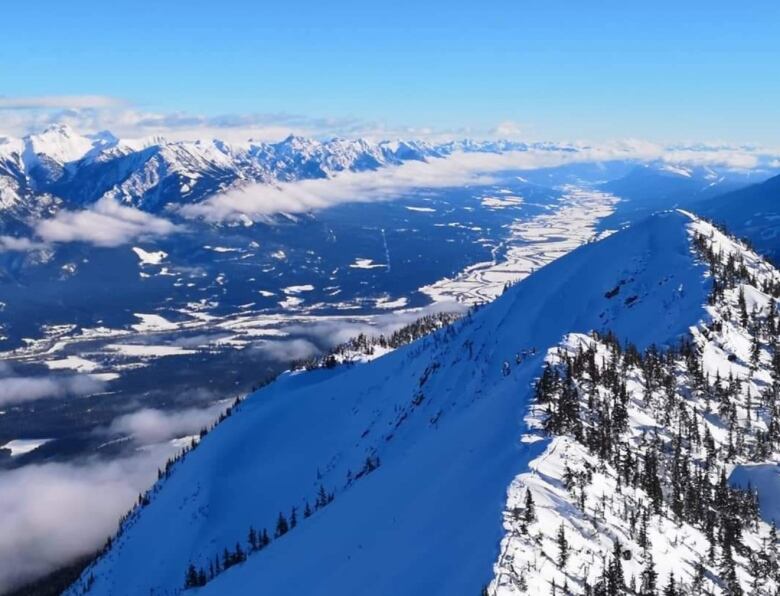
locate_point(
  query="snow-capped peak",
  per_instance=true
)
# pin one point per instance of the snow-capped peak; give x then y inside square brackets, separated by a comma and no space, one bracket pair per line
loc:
[60,143]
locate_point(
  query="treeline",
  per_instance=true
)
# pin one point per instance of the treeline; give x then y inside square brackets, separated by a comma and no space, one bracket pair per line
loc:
[365,345]
[257,540]
[85,583]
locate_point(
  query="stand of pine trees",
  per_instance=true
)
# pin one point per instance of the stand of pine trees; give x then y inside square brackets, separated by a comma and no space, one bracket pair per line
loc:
[675,469]
[364,345]
[258,540]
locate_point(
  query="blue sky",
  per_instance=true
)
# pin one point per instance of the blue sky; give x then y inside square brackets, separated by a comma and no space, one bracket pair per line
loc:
[659,70]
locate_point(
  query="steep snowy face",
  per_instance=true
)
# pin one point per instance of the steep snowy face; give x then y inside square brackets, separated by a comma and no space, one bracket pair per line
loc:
[46,155]
[12,179]
[59,143]
[390,477]
[630,494]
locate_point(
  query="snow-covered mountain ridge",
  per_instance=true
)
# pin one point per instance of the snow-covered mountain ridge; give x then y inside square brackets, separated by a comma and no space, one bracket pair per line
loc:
[631,493]
[436,423]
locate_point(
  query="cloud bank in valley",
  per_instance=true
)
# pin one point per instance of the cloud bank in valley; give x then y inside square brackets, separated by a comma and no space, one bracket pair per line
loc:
[19,244]
[259,201]
[53,513]
[459,169]
[150,425]
[18,389]
[107,223]
[324,334]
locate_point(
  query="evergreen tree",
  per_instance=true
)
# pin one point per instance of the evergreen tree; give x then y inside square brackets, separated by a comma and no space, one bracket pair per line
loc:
[615,578]
[322,498]
[643,539]
[252,539]
[743,315]
[563,548]
[529,515]
[649,577]
[698,578]
[281,525]
[670,589]
[191,577]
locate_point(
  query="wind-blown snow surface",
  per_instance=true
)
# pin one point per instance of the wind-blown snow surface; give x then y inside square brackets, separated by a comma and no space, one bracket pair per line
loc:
[444,416]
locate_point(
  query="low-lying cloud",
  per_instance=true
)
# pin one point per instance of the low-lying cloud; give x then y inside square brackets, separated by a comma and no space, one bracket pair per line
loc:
[319,335]
[258,201]
[53,513]
[150,425]
[288,350]
[17,244]
[106,223]
[332,332]
[19,389]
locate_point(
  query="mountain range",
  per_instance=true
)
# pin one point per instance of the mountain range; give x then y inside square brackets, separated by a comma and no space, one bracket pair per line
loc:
[154,172]
[61,166]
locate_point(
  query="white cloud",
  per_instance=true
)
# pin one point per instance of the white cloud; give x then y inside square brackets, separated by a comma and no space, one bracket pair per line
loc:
[331,332]
[14,244]
[53,513]
[258,201]
[107,223]
[261,200]
[508,129]
[17,389]
[93,113]
[63,102]
[726,157]
[287,350]
[150,425]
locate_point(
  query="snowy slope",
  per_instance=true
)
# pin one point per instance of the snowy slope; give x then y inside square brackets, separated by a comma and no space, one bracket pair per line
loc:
[439,422]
